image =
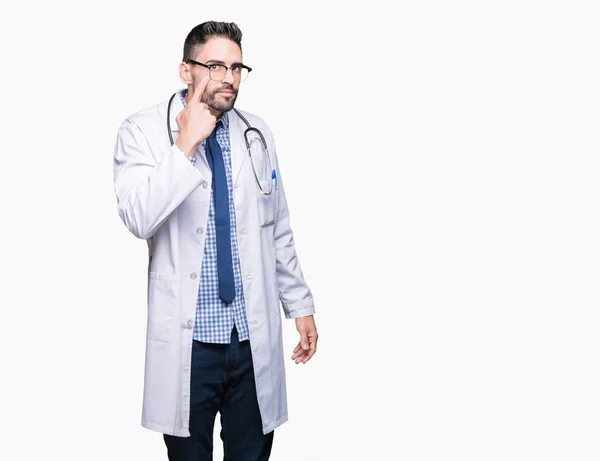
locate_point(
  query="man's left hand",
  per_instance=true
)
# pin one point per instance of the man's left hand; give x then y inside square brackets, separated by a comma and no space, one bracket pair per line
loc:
[307,346]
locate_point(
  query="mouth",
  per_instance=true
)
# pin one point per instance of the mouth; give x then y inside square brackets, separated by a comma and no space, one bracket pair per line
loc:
[225,92]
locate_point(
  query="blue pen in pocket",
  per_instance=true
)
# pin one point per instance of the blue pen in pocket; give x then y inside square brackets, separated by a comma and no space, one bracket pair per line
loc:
[274,176]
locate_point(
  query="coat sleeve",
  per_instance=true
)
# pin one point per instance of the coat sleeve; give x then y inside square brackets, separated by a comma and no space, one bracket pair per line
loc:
[295,295]
[147,190]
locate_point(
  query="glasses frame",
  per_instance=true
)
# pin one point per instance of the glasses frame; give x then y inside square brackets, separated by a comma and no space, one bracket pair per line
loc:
[243,66]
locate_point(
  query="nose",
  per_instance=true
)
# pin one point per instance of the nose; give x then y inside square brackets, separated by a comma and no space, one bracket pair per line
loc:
[228,77]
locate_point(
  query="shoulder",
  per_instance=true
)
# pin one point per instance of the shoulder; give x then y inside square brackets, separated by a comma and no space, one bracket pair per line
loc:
[147,118]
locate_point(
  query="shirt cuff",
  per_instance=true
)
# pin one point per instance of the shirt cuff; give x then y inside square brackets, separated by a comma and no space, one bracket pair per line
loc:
[192,158]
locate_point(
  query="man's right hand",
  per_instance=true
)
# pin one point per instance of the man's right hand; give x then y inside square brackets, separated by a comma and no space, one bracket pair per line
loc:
[195,122]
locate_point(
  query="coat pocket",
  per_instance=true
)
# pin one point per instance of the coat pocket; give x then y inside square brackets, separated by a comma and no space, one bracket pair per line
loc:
[266,207]
[161,306]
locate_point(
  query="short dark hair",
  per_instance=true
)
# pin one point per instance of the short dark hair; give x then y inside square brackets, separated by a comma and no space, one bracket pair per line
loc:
[200,34]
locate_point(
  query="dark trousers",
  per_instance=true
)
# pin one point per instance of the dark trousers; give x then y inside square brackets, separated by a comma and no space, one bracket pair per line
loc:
[222,381]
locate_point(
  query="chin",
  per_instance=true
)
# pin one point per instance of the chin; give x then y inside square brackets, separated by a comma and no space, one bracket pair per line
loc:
[223,106]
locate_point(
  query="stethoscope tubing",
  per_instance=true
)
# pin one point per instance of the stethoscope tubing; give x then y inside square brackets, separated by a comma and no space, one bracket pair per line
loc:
[249,129]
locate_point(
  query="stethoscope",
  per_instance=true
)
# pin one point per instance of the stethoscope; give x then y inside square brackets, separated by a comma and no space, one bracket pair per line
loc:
[248,130]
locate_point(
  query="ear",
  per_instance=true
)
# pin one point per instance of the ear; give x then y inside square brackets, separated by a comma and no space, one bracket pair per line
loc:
[185,74]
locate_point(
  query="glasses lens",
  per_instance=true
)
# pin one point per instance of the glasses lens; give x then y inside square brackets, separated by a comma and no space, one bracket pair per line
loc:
[242,74]
[217,72]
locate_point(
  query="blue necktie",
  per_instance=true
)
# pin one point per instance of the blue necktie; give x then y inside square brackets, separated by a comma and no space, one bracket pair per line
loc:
[221,199]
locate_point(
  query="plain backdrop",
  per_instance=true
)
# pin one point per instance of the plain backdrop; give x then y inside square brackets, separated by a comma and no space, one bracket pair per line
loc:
[441,163]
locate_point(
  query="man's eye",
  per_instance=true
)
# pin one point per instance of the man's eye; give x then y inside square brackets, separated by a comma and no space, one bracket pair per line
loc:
[236,69]
[215,67]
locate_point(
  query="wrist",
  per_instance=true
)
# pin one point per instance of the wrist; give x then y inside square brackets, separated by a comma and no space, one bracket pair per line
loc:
[187,147]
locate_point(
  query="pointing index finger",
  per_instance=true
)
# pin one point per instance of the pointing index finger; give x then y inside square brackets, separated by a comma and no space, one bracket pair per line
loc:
[199,90]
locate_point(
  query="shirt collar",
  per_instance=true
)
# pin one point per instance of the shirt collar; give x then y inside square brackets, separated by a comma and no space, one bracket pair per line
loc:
[224,118]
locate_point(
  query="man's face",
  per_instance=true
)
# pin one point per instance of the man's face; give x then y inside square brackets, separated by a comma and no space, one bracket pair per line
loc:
[220,95]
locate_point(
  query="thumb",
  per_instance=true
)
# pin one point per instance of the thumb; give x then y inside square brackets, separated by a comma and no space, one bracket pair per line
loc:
[304,339]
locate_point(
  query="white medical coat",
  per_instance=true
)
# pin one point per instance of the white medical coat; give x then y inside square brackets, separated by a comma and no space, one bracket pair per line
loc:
[164,199]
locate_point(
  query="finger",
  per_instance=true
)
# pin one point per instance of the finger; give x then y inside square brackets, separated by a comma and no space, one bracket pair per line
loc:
[308,356]
[313,342]
[312,347]
[304,340]
[199,90]
[299,356]
[298,347]
[298,353]
[299,359]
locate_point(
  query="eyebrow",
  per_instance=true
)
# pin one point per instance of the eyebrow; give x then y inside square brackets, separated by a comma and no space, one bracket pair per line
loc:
[216,61]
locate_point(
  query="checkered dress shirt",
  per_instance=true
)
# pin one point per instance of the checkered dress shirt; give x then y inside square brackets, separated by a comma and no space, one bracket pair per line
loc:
[214,318]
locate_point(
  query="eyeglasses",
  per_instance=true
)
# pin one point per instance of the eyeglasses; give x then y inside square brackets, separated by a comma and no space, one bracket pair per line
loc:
[218,71]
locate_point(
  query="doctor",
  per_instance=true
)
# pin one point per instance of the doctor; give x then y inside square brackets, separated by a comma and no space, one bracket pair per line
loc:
[222,263]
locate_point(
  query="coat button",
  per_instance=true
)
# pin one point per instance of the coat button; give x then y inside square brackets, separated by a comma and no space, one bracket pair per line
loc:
[193,275]
[199,230]
[190,323]
[204,184]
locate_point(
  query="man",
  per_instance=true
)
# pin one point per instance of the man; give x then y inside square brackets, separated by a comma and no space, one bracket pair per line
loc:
[221,258]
